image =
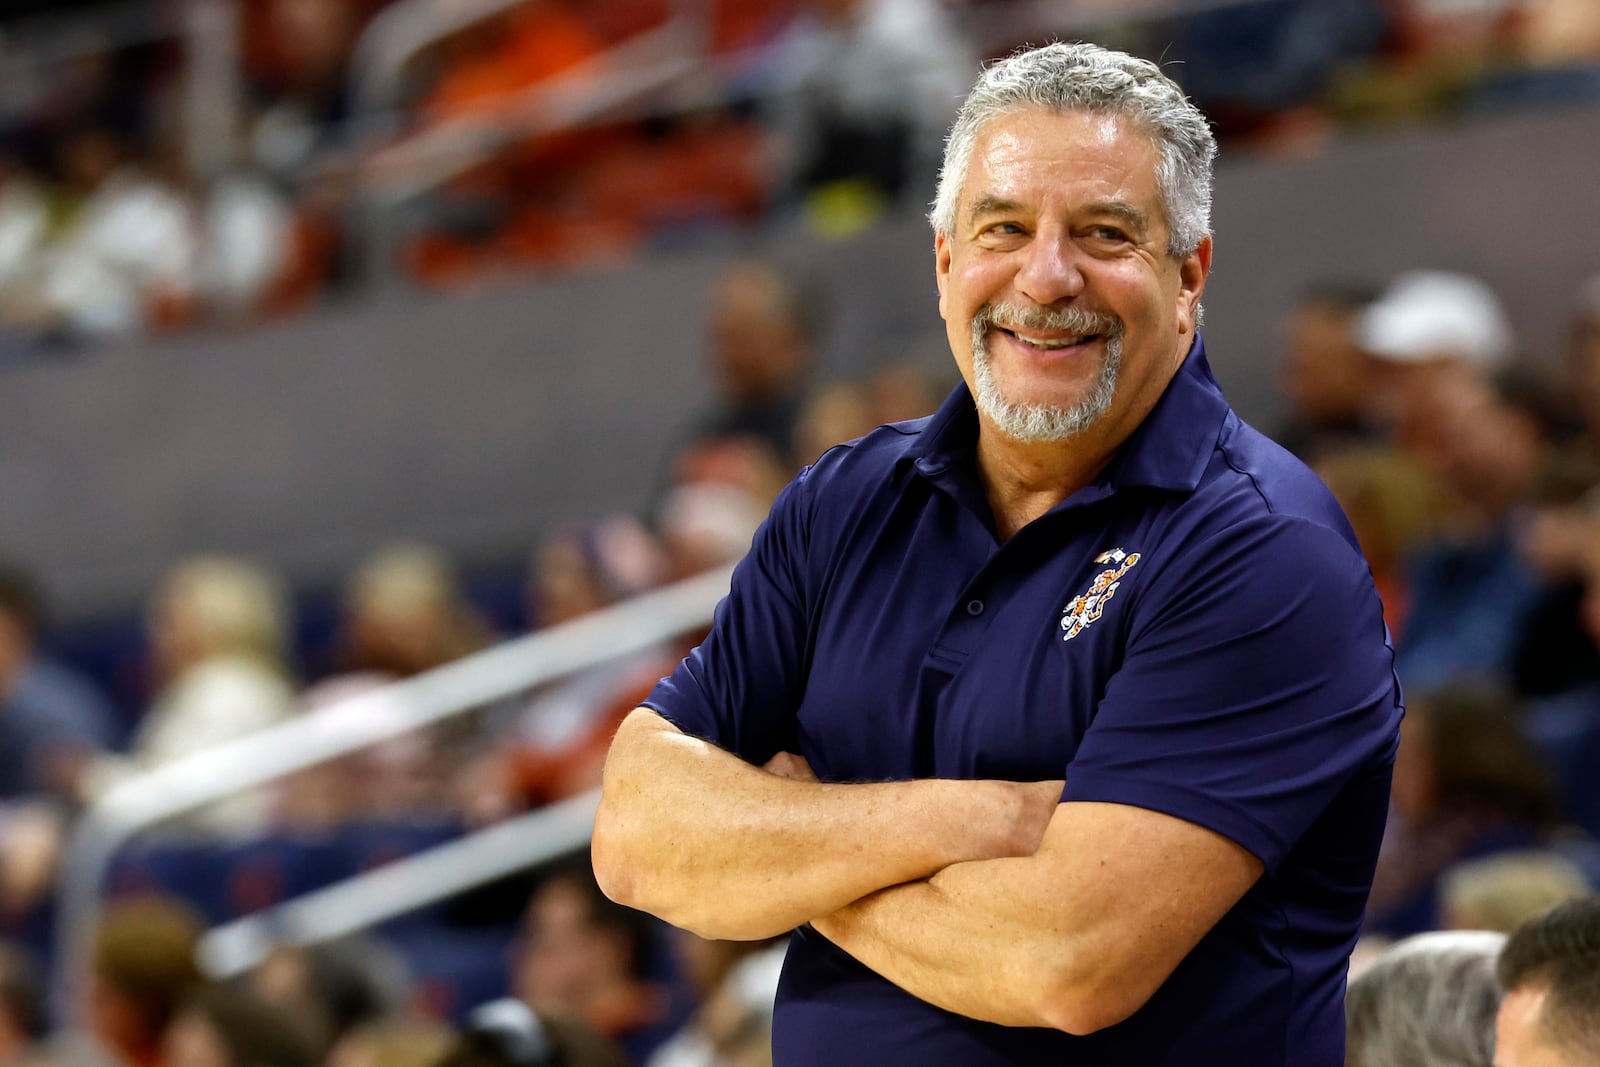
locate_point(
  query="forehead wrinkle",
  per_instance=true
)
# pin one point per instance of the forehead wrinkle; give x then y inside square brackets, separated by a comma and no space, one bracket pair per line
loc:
[1115,152]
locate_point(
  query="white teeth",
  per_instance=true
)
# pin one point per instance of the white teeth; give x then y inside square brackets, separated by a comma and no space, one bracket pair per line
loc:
[1063,342]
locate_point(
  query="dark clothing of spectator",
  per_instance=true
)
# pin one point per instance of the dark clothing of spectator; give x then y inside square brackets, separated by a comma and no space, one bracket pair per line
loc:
[50,712]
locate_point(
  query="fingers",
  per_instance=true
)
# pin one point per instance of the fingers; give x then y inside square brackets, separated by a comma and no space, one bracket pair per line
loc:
[792,766]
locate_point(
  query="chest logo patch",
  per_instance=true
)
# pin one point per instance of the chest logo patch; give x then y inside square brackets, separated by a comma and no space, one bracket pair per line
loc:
[1086,607]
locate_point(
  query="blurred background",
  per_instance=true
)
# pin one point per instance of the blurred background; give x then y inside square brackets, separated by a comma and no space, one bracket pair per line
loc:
[342,341]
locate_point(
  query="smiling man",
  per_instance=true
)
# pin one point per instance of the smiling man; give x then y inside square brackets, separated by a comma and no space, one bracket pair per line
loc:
[1060,722]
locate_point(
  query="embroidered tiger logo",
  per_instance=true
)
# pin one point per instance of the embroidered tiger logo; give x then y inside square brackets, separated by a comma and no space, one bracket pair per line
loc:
[1087,606]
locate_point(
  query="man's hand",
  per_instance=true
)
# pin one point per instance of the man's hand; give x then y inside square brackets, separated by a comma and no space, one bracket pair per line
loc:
[1036,805]
[792,766]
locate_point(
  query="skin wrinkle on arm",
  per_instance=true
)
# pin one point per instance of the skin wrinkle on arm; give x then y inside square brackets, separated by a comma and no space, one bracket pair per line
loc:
[1076,937]
[700,838]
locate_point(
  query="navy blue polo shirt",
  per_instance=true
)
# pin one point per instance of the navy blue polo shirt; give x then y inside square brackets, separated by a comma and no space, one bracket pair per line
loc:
[1196,633]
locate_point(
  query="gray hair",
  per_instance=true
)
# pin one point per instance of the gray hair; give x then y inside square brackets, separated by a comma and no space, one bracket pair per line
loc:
[1428,1001]
[1086,77]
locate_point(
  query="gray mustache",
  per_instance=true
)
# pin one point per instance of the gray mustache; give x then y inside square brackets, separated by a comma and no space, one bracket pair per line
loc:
[1071,320]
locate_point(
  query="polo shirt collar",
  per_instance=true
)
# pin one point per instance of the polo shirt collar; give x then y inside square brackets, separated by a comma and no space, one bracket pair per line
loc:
[1169,450]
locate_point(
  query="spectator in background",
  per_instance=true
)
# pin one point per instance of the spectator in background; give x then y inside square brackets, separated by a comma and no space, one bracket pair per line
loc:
[1433,56]
[1327,377]
[486,67]
[1467,784]
[1472,592]
[734,985]
[763,327]
[405,614]
[839,411]
[1443,346]
[218,634]
[842,410]
[24,227]
[51,718]
[21,1010]
[349,983]
[866,89]
[1561,655]
[296,55]
[506,1033]
[249,244]
[585,957]
[219,1027]
[1260,70]
[405,777]
[554,745]
[1552,58]
[124,257]
[395,1042]
[143,971]
[1393,506]
[1502,892]
[1426,324]
[1583,360]
[1550,969]
[1429,1001]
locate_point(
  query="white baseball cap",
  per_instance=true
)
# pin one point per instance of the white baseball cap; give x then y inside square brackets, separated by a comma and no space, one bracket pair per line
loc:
[1429,314]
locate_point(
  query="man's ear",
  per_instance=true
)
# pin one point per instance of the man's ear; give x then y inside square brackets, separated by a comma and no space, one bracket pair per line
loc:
[941,267]
[1193,271]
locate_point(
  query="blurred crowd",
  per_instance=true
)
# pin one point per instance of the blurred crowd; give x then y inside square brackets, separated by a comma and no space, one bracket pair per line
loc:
[225,649]
[544,134]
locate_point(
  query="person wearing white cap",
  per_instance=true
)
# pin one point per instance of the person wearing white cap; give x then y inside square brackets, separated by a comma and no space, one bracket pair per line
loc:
[1430,315]
[1427,325]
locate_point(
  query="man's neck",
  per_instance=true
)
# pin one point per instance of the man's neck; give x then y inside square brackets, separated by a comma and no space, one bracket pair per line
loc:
[1025,480]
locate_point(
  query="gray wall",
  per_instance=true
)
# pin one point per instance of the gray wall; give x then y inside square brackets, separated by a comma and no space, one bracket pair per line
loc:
[475,420]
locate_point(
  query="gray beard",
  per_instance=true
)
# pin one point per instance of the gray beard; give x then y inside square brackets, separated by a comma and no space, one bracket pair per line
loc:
[1044,423]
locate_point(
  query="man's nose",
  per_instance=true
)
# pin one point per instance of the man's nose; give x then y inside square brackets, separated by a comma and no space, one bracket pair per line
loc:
[1051,270]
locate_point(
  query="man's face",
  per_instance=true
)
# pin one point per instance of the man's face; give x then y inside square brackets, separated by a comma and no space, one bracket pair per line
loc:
[1517,1038]
[1063,308]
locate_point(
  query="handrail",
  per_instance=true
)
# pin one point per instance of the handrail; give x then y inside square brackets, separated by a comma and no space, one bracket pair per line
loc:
[396,888]
[598,88]
[185,784]
[395,36]
[402,30]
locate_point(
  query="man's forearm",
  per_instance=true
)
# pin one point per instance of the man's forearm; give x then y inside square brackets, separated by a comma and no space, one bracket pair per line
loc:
[706,841]
[968,940]
[1076,936]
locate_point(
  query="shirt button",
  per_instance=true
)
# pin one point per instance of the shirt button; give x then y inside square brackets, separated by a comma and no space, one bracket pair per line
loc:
[974,608]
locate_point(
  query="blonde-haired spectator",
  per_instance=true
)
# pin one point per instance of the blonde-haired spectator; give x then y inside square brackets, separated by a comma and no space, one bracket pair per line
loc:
[218,632]
[1502,892]
[405,613]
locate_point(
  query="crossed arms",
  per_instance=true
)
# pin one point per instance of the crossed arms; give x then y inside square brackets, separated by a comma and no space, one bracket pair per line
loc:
[986,898]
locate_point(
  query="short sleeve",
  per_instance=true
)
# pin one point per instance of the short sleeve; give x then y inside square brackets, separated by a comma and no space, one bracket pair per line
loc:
[740,688]
[1258,681]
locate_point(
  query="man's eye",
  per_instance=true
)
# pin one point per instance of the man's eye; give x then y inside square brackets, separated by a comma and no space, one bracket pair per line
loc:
[1108,233]
[1003,229]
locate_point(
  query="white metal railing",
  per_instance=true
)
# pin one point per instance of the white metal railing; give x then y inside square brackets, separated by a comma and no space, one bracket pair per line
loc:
[400,887]
[184,785]
[626,81]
